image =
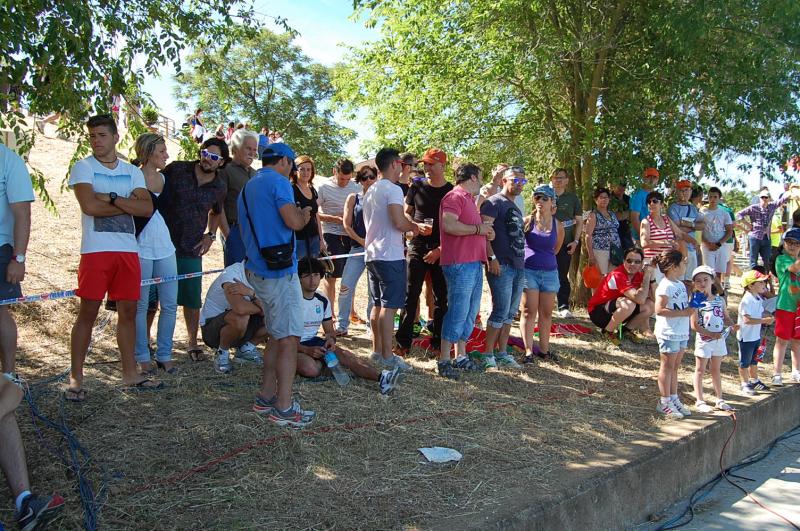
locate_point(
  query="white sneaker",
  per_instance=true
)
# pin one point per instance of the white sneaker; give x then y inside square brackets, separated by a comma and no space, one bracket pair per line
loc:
[777,381]
[399,363]
[702,407]
[222,363]
[507,361]
[723,406]
[796,376]
[379,360]
[668,410]
[565,314]
[685,411]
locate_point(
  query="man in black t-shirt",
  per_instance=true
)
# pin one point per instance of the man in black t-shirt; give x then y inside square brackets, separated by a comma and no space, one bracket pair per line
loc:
[422,203]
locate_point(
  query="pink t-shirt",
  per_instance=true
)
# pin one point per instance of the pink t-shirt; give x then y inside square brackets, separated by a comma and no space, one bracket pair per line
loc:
[461,249]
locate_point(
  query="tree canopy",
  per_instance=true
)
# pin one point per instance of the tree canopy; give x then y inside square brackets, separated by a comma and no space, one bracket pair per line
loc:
[264,79]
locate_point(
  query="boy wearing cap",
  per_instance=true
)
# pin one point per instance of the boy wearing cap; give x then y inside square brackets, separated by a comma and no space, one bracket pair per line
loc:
[689,219]
[751,317]
[787,267]
[760,216]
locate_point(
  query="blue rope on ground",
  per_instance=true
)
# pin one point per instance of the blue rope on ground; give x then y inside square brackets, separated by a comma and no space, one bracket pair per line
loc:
[78,458]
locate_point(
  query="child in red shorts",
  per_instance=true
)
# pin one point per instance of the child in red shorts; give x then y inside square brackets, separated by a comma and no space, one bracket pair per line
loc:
[787,324]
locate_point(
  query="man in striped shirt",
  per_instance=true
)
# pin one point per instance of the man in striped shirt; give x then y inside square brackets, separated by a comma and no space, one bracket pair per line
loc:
[760,219]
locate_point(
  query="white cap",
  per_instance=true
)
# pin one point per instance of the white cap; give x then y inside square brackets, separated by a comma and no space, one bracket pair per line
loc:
[703,269]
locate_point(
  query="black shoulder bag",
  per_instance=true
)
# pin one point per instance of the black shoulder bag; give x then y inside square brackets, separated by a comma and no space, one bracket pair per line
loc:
[276,256]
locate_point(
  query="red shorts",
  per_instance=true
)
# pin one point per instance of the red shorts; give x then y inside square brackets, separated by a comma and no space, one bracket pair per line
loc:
[787,324]
[118,274]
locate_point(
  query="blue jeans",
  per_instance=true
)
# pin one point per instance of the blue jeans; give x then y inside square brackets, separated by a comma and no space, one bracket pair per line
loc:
[464,288]
[506,291]
[301,250]
[353,269]
[168,299]
[761,247]
[234,246]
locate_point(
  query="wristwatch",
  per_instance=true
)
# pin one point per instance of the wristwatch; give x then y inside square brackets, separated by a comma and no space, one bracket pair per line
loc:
[212,236]
[19,258]
[492,258]
[112,197]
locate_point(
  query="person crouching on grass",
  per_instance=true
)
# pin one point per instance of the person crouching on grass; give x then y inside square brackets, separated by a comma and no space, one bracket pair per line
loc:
[316,311]
[787,267]
[672,331]
[751,317]
[709,322]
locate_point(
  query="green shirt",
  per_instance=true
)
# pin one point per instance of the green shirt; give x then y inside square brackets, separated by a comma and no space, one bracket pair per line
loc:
[789,287]
[568,207]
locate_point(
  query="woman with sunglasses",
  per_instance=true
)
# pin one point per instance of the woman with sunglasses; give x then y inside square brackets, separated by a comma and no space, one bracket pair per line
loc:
[544,235]
[602,231]
[307,240]
[658,232]
[622,299]
[353,222]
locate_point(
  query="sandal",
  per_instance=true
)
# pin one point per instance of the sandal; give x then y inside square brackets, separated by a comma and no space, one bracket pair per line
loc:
[75,395]
[357,320]
[172,370]
[145,385]
[196,354]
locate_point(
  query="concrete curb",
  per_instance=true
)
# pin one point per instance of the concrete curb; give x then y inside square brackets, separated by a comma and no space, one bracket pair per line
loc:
[619,490]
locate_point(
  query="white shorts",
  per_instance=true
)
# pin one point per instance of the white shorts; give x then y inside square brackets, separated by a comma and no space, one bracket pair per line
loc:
[717,260]
[708,349]
[691,264]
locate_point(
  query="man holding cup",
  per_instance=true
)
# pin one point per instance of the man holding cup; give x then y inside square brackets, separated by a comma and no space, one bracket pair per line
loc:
[422,206]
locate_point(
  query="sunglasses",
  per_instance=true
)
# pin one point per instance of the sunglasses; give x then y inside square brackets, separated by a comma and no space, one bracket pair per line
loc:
[633,262]
[654,201]
[518,180]
[206,154]
[542,198]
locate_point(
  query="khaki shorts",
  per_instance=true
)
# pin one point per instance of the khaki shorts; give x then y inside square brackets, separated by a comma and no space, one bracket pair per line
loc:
[281,298]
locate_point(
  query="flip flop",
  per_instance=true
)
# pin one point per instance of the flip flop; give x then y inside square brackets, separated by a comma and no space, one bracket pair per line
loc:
[145,385]
[75,395]
[196,354]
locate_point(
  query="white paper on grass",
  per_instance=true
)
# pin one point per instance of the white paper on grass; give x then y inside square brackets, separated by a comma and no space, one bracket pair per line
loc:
[439,454]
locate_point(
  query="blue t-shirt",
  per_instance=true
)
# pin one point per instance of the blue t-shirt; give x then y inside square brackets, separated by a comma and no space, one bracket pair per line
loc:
[266,193]
[638,204]
[263,141]
[676,212]
[15,187]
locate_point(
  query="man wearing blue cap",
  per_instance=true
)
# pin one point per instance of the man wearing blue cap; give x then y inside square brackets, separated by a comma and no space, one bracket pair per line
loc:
[269,218]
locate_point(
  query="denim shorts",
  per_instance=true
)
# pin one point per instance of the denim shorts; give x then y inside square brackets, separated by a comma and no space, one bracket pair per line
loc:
[542,280]
[747,353]
[387,283]
[668,346]
[506,289]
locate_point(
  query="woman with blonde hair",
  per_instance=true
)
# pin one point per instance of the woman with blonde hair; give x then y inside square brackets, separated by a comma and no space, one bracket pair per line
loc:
[157,259]
[308,241]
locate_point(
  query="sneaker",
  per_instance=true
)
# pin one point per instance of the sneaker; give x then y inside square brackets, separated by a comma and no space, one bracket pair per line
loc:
[262,406]
[446,370]
[399,363]
[380,361]
[796,376]
[489,362]
[777,381]
[248,353]
[685,411]
[16,379]
[611,337]
[564,313]
[507,361]
[635,337]
[36,512]
[702,407]
[551,356]
[748,389]
[295,418]
[723,406]
[390,379]
[529,358]
[668,410]
[758,385]
[222,363]
[466,364]
[479,359]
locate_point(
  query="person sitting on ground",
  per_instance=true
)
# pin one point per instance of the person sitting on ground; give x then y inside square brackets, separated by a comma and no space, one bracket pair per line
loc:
[622,299]
[33,512]
[232,316]
[316,310]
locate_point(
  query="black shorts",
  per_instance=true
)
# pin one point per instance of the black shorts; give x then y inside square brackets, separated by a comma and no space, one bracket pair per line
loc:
[337,244]
[601,316]
[7,290]
[210,330]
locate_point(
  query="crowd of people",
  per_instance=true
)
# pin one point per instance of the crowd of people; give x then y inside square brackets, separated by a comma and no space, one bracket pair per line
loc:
[409,228]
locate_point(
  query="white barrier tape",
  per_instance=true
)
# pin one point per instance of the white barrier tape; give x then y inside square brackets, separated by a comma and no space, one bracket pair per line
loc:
[53,295]
[335,256]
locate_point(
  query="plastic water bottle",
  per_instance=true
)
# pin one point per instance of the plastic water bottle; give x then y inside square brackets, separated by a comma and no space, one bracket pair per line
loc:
[336,368]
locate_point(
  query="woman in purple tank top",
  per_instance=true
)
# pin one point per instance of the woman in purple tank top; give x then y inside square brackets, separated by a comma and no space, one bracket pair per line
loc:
[544,235]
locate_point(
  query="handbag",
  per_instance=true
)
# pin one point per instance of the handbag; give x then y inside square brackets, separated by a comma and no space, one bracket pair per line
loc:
[615,255]
[278,256]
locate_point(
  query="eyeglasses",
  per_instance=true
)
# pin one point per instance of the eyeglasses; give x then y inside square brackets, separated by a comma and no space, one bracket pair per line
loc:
[206,154]
[518,180]
[542,198]
[654,201]
[633,262]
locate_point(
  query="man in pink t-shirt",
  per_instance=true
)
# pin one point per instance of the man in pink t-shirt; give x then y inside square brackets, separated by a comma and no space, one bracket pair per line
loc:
[463,245]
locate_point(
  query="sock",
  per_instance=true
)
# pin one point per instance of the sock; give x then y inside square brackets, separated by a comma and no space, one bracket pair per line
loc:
[464,357]
[21,498]
[753,380]
[664,400]
[11,377]
[674,398]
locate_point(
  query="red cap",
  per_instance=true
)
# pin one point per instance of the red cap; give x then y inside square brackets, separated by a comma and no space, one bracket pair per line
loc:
[433,155]
[683,184]
[651,172]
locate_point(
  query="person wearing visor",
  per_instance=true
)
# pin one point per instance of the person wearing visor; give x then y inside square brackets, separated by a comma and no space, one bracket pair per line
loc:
[760,216]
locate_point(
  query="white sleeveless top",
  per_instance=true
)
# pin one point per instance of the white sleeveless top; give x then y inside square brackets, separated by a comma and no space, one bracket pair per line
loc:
[154,240]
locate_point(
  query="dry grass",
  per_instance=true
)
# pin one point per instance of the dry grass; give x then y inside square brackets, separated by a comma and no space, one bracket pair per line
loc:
[357,467]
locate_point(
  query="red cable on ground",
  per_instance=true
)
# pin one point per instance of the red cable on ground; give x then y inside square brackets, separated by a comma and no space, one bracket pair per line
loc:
[725,476]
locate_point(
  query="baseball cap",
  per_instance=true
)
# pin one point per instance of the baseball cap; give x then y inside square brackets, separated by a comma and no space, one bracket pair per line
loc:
[651,172]
[753,276]
[433,155]
[703,269]
[792,234]
[546,189]
[683,183]
[278,150]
